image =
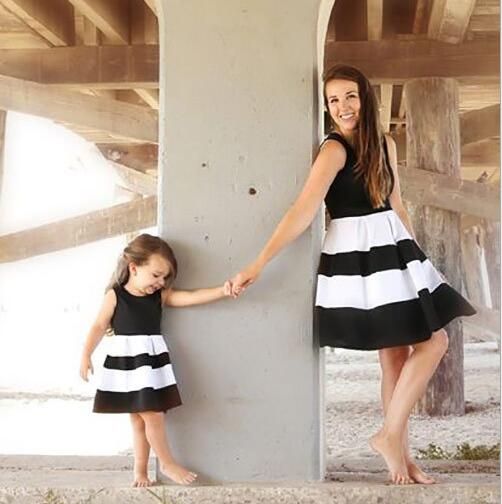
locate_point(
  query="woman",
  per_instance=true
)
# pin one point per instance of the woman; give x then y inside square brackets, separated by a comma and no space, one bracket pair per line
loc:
[376,289]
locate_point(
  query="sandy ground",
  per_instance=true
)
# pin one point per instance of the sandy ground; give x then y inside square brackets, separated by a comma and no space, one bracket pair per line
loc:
[57,424]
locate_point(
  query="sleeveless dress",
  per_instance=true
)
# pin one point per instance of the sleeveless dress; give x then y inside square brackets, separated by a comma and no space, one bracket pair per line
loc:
[375,286]
[137,374]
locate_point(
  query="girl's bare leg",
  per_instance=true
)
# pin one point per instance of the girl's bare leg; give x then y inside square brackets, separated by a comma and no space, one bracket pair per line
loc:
[156,435]
[141,451]
[412,382]
[392,361]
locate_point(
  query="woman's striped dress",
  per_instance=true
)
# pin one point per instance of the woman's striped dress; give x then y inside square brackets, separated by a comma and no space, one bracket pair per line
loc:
[375,287]
[137,374]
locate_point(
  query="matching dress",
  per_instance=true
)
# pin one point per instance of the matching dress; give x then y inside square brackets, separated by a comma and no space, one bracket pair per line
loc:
[375,289]
[375,286]
[137,374]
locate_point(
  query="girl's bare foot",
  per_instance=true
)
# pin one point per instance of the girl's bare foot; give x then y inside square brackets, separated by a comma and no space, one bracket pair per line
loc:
[417,475]
[392,454]
[178,474]
[141,480]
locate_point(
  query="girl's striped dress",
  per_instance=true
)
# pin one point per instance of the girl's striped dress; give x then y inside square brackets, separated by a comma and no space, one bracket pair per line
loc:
[375,287]
[137,374]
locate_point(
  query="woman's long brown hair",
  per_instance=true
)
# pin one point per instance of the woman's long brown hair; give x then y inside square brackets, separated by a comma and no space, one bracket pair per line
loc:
[369,137]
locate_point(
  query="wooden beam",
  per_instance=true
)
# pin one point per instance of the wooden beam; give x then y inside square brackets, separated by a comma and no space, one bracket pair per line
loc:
[449,19]
[122,119]
[375,19]
[110,16]
[141,157]
[420,17]
[398,61]
[450,193]
[76,231]
[134,180]
[53,20]
[386,106]
[480,124]
[3,124]
[149,96]
[105,67]
[153,7]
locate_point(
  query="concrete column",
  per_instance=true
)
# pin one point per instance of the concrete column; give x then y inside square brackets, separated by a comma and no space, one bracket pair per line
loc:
[238,128]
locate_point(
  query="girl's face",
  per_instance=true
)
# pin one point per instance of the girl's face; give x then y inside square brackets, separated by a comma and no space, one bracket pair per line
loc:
[343,104]
[151,276]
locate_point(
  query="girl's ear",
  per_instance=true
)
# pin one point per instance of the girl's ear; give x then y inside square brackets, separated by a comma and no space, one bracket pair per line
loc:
[132,268]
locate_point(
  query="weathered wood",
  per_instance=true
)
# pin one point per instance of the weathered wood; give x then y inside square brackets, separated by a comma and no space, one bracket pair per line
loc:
[115,67]
[432,120]
[3,124]
[151,4]
[386,106]
[350,20]
[449,19]
[492,254]
[141,157]
[480,124]
[397,61]
[149,96]
[76,231]
[419,20]
[423,187]
[134,180]
[144,24]
[110,16]
[122,119]
[375,19]
[53,20]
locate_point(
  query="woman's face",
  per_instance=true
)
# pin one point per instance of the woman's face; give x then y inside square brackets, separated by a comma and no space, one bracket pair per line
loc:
[343,104]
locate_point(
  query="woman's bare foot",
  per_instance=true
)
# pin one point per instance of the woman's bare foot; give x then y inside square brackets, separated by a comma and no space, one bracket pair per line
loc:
[391,452]
[178,474]
[417,475]
[141,480]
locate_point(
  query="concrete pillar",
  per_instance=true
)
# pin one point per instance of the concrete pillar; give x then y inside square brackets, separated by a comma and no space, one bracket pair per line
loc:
[238,126]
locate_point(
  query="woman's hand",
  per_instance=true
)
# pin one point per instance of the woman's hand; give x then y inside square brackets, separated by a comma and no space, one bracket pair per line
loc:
[85,367]
[245,278]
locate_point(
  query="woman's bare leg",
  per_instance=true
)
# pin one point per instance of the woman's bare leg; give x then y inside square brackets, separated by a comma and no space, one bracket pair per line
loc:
[141,451]
[415,374]
[392,361]
[156,435]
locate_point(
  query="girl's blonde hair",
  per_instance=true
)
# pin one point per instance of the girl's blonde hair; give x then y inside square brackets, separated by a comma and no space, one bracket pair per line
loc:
[369,140]
[138,251]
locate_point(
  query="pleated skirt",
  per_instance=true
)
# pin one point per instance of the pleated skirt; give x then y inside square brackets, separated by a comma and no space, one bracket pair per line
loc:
[137,375]
[377,289]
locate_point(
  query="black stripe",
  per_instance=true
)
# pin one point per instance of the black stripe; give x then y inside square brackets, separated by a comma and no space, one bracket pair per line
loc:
[136,361]
[394,324]
[147,399]
[386,257]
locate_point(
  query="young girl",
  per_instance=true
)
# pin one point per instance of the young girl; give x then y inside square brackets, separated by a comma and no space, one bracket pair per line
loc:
[376,289]
[138,377]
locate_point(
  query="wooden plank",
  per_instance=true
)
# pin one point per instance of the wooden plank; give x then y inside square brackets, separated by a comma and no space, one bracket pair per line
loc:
[105,67]
[134,180]
[398,61]
[449,19]
[375,19]
[142,157]
[144,24]
[450,193]
[110,16]
[153,7]
[3,124]
[480,124]
[419,20]
[76,231]
[123,119]
[53,20]
[386,104]
[149,96]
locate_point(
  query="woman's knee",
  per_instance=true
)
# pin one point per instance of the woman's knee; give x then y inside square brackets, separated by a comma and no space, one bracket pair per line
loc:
[439,342]
[152,416]
[136,421]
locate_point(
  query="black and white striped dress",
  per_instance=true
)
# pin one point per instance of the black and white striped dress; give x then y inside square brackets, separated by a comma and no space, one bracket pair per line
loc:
[137,374]
[375,287]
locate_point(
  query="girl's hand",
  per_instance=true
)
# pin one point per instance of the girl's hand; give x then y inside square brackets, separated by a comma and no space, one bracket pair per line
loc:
[227,289]
[85,367]
[245,278]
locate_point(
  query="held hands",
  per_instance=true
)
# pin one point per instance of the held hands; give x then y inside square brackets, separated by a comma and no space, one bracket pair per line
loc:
[245,278]
[85,367]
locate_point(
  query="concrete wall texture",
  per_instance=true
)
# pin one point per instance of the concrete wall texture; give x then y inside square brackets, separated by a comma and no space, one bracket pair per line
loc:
[238,130]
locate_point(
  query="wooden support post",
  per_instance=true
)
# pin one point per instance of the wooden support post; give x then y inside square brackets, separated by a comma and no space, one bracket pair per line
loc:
[3,121]
[433,144]
[492,254]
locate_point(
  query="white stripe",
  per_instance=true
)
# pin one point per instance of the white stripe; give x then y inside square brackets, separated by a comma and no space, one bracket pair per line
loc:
[129,346]
[384,287]
[114,380]
[350,234]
